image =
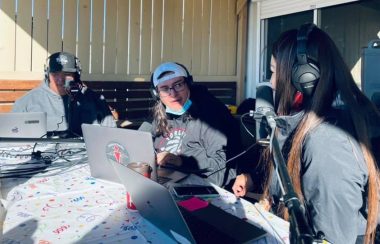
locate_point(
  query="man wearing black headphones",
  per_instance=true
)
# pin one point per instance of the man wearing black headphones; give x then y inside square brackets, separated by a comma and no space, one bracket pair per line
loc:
[192,129]
[65,99]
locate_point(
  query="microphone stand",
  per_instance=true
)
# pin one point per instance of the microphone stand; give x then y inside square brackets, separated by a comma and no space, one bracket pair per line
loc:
[300,232]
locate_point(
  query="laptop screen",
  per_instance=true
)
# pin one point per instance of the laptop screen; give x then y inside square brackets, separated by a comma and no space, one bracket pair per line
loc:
[105,145]
[23,125]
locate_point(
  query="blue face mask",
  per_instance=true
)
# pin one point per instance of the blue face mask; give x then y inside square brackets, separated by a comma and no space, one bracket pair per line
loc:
[184,108]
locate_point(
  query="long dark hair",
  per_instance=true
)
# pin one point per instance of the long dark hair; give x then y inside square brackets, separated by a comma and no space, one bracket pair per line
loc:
[335,81]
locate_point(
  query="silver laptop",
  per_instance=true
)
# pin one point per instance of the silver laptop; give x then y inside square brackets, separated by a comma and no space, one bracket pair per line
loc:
[23,125]
[105,145]
[208,225]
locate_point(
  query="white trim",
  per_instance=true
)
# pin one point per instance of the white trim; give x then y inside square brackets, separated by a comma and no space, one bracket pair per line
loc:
[274,8]
[21,75]
[253,49]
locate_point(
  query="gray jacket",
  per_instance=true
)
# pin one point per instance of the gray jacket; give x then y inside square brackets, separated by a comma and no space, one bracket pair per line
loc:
[205,138]
[334,177]
[89,107]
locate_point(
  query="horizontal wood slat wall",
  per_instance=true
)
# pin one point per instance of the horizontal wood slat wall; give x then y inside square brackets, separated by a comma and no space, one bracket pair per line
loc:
[132,100]
[11,90]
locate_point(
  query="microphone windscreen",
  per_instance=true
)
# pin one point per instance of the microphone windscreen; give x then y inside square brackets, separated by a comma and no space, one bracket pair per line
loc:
[69,83]
[264,104]
[145,126]
[72,87]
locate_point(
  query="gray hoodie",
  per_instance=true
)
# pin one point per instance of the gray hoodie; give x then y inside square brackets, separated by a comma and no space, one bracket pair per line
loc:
[89,107]
[334,176]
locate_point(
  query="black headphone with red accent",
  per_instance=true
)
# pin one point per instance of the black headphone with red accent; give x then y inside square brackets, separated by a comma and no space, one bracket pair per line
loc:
[305,72]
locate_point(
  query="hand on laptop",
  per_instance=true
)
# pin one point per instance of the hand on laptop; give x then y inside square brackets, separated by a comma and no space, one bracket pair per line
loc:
[166,158]
[243,183]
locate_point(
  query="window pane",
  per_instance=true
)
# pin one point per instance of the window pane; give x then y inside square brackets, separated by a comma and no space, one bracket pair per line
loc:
[279,24]
[352,26]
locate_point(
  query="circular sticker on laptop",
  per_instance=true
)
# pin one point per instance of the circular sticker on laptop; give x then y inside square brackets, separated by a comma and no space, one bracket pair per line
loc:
[116,153]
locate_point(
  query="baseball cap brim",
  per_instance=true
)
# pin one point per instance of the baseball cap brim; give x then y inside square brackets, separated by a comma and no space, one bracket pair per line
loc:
[177,70]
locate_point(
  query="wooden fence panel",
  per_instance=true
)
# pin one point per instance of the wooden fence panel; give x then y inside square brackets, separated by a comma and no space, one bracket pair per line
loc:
[8,35]
[23,37]
[187,34]
[167,33]
[206,31]
[146,37]
[231,36]
[39,40]
[70,26]
[97,37]
[110,38]
[214,37]
[84,35]
[156,33]
[196,39]
[55,27]
[176,29]
[120,38]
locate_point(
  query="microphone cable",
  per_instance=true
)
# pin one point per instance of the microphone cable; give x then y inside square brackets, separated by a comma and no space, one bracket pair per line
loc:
[250,113]
[41,163]
[255,115]
[230,159]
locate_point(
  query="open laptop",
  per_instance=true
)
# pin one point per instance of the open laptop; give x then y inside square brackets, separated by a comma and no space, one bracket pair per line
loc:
[23,125]
[105,145]
[207,225]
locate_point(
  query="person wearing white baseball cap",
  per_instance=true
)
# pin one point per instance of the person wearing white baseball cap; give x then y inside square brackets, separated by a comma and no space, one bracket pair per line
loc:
[191,128]
[66,100]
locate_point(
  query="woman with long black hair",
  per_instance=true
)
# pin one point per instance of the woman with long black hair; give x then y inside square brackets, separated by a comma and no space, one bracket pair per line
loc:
[326,138]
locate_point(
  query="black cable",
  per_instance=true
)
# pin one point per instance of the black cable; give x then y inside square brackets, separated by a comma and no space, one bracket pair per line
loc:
[241,153]
[45,161]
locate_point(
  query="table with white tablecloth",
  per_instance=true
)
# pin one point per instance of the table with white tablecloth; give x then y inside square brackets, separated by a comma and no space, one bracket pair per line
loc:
[62,203]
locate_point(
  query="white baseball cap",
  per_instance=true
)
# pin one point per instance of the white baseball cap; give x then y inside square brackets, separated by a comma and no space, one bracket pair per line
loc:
[177,70]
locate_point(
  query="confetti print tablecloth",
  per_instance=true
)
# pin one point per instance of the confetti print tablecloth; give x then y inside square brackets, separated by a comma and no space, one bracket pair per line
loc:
[67,205]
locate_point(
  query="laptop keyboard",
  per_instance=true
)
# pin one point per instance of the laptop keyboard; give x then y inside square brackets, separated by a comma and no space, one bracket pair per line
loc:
[162,179]
[214,225]
[204,232]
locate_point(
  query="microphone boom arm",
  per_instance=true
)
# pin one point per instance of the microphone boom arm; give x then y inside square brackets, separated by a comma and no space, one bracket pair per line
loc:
[300,232]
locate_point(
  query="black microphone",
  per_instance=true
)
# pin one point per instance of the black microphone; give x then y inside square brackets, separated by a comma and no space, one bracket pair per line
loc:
[264,106]
[72,88]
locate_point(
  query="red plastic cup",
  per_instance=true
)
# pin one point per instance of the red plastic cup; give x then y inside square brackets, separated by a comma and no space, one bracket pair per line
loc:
[130,204]
[145,170]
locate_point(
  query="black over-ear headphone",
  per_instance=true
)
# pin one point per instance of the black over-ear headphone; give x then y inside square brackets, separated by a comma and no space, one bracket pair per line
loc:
[78,68]
[305,72]
[189,81]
